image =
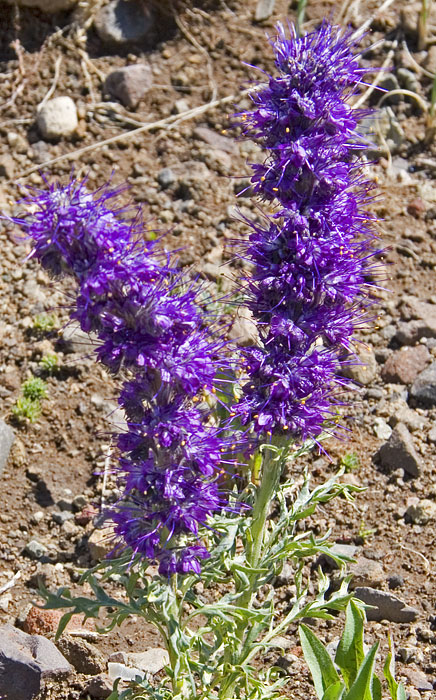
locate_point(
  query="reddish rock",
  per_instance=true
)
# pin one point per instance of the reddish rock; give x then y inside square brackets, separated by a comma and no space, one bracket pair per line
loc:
[129,84]
[416,208]
[46,621]
[86,515]
[403,366]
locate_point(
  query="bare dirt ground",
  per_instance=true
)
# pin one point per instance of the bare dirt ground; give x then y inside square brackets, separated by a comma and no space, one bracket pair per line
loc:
[198,53]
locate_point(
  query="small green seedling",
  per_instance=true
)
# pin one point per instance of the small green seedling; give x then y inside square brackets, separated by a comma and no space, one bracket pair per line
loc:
[34,389]
[44,322]
[351,675]
[350,461]
[365,532]
[26,409]
[50,363]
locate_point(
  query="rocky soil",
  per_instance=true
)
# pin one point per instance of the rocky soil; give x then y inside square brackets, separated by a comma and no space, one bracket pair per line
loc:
[145,98]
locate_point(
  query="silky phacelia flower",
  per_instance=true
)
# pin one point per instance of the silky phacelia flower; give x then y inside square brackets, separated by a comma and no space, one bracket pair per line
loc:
[153,333]
[312,256]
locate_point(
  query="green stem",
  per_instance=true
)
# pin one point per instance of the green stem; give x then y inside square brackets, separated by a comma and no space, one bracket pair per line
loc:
[180,684]
[271,471]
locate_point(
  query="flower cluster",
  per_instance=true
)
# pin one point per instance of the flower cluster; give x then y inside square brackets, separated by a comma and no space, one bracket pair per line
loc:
[312,254]
[151,328]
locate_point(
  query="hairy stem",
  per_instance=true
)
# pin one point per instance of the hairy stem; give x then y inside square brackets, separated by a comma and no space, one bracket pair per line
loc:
[271,470]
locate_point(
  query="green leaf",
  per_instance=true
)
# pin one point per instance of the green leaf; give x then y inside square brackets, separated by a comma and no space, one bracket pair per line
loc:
[318,659]
[361,688]
[401,693]
[334,692]
[376,688]
[63,622]
[396,690]
[350,652]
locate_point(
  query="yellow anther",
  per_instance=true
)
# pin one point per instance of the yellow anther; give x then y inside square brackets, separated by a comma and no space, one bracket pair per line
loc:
[287,129]
[286,427]
[183,443]
[275,189]
[263,178]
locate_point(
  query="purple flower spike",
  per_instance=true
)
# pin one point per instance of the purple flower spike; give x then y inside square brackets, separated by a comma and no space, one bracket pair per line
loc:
[312,259]
[153,333]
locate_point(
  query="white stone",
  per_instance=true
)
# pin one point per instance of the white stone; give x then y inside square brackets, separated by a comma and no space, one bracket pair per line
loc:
[116,670]
[150,661]
[57,118]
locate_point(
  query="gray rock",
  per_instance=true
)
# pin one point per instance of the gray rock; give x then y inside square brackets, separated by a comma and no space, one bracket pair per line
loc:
[381,429]
[432,435]
[395,581]
[79,501]
[73,339]
[99,686]
[211,137]
[7,437]
[401,413]
[217,160]
[25,661]
[422,512]
[101,543]
[35,550]
[57,118]
[286,575]
[166,177]
[386,606]
[244,330]
[399,452]
[62,517]
[411,332]
[362,370]
[16,142]
[7,166]
[366,572]
[264,9]
[150,660]
[48,6]
[424,387]
[413,308]
[418,680]
[123,22]
[180,106]
[130,84]
[85,657]
[390,128]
